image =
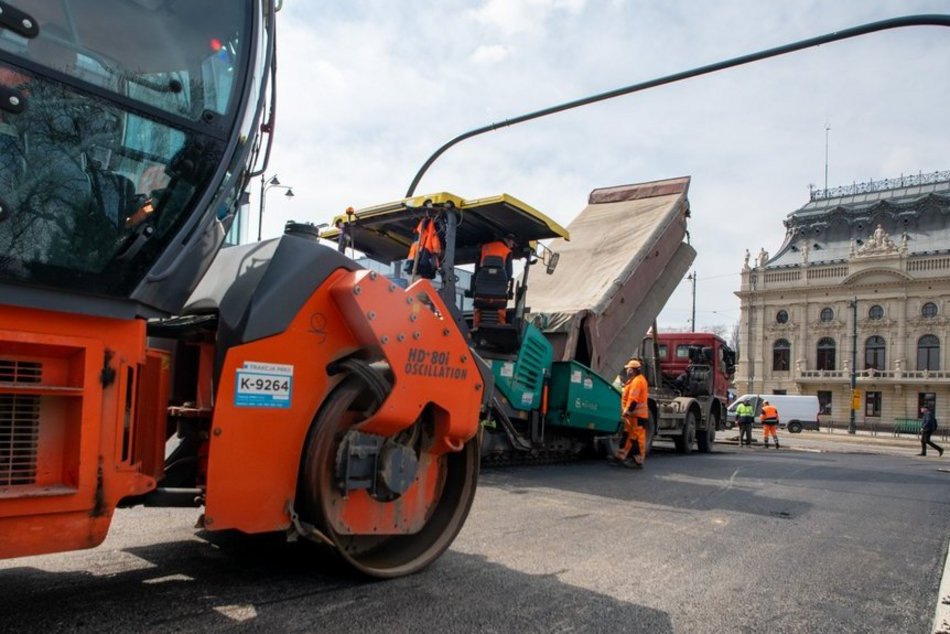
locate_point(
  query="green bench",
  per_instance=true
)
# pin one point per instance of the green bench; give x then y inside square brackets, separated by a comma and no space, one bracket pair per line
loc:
[906,426]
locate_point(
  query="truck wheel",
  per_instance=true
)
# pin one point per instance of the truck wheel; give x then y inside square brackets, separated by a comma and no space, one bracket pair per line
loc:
[707,437]
[684,442]
[794,427]
[435,504]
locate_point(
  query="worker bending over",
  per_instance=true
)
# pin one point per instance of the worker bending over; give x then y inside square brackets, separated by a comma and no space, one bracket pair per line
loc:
[769,423]
[636,414]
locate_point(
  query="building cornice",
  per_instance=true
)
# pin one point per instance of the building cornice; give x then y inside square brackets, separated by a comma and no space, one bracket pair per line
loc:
[826,326]
[898,277]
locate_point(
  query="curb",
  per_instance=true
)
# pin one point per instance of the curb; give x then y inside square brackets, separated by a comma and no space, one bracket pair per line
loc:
[941,624]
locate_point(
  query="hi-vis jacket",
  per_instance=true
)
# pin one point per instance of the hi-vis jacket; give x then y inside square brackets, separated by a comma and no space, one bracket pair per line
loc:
[499,249]
[769,415]
[744,413]
[425,252]
[634,397]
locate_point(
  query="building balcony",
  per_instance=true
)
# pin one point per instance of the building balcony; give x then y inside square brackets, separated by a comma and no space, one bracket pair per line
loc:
[832,274]
[871,375]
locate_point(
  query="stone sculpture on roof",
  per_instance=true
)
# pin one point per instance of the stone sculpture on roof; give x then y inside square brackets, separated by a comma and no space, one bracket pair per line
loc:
[878,243]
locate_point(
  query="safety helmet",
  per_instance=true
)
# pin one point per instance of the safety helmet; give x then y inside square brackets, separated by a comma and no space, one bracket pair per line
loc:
[633,364]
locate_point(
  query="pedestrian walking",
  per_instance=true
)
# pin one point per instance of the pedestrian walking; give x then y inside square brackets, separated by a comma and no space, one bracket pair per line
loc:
[770,422]
[928,425]
[745,415]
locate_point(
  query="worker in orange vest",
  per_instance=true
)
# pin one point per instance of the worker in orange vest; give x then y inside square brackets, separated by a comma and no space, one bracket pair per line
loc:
[425,251]
[502,249]
[636,414]
[769,423]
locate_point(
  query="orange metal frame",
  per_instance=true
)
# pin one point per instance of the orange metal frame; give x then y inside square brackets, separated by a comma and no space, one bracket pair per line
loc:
[255,452]
[85,455]
[103,400]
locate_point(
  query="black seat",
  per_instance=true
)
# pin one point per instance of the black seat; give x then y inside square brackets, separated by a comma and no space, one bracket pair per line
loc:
[490,285]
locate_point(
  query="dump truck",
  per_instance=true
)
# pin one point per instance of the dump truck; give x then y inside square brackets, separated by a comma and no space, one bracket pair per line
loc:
[570,325]
[274,386]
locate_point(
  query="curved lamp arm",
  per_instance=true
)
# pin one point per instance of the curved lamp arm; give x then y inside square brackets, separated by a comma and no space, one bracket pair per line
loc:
[864,29]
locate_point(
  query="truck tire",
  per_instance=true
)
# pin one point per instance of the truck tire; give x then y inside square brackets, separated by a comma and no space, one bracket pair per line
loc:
[707,437]
[684,442]
[794,427]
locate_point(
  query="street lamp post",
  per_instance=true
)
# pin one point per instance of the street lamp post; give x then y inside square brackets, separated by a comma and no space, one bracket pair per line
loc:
[852,427]
[267,185]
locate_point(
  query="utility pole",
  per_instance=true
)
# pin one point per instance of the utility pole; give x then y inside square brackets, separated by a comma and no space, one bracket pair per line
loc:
[692,323]
[852,428]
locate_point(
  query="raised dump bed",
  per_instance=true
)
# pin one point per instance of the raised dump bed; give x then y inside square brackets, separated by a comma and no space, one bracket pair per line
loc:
[625,258]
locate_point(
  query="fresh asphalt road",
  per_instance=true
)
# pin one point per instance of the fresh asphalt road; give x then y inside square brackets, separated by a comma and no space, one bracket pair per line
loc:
[739,540]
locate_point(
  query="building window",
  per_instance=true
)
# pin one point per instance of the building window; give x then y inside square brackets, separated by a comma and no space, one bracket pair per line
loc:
[781,353]
[874,349]
[826,354]
[875,312]
[926,399]
[782,317]
[872,404]
[929,310]
[824,401]
[827,314]
[928,353]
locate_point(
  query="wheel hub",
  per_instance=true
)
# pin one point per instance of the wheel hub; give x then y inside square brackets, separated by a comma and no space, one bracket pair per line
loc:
[382,467]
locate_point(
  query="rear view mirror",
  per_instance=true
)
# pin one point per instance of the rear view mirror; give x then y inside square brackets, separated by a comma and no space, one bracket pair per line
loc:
[552,262]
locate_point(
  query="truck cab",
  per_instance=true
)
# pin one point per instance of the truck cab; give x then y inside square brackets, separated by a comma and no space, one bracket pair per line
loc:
[689,375]
[682,354]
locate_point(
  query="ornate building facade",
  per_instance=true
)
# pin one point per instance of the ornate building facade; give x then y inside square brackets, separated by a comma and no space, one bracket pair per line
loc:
[862,282]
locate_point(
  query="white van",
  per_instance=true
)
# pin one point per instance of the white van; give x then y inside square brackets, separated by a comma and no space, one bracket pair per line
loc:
[795,412]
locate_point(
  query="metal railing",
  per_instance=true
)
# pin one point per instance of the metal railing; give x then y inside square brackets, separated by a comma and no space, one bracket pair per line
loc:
[874,375]
[872,186]
[875,426]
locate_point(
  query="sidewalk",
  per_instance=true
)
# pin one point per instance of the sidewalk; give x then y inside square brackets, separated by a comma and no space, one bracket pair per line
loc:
[861,441]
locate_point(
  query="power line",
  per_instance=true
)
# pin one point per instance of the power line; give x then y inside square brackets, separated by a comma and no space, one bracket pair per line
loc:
[713,277]
[707,310]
